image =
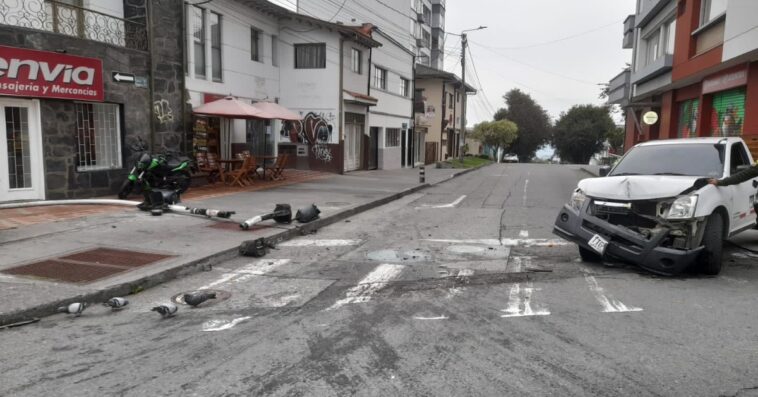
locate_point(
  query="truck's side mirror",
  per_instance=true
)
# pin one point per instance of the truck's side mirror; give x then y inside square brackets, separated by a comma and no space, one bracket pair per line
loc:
[605,170]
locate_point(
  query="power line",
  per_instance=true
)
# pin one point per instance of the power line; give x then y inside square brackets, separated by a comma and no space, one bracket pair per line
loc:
[479,81]
[614,23]
[338,10]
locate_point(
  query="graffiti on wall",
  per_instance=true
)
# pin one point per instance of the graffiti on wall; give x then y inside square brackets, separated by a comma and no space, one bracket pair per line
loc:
[163,111]
[314,130]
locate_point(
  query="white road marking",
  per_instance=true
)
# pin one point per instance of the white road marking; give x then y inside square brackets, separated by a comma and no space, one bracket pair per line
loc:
[222,325]
[734,280]
[519,263]
[431,318]
[509,242]
[519,297]
[451,205]
[526,186]
[373,282]
[319,243]
[281,302]
[609,303]
[465,273]
[455,291]
[246,272]
[523,234]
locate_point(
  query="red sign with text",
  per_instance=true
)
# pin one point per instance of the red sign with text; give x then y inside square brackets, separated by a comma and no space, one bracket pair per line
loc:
[43,74]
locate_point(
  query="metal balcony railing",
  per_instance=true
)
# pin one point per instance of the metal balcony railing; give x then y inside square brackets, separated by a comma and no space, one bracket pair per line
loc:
[75,21]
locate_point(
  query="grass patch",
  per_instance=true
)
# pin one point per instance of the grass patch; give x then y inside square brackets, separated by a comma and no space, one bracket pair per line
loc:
[468,162]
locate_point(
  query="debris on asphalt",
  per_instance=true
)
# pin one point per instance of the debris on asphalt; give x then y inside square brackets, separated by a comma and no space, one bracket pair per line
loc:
[75,308]
[196,298]
[255,248]
[282,214]
[166,309]
[116,303]
[20,323]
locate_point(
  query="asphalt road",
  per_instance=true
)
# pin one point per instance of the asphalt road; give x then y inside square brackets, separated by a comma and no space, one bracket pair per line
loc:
[418,297]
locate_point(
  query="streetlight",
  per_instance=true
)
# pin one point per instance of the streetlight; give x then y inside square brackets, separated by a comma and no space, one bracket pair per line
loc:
[464,43]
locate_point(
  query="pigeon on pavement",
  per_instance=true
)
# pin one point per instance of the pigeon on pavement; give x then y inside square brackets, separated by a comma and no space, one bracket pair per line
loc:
[166,309]
[75,308]
[116,303]
[195,298]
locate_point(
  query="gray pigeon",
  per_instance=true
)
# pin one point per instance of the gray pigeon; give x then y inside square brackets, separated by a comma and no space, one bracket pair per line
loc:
[195,298]
[116,303]
[166,309]
[75,308]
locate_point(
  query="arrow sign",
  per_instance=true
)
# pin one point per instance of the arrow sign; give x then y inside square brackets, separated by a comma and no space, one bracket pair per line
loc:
[123,77]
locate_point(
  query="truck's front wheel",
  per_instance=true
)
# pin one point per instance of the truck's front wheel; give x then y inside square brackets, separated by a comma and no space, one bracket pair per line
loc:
[713,240]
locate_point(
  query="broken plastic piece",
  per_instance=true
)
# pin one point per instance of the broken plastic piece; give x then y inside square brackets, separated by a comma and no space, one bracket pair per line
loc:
[307,214]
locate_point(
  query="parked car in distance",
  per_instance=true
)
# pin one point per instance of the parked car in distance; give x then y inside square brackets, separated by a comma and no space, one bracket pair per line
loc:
[510,158]
[655,209]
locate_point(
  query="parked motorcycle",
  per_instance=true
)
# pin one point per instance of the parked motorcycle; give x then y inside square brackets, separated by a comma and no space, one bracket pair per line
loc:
[168,170]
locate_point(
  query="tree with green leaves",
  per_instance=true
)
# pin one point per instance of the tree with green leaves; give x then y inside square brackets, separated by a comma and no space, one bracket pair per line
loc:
[532,120]
[497,134]
[580,133]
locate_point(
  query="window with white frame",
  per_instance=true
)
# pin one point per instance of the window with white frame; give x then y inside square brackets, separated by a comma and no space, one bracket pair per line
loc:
[652,47]
[216,67]
[670,36]
[310,56]
[380,78]
[98,136]
[255,44]
[392,137]
[356,60]
[710,10]
[198,39]
[405,87]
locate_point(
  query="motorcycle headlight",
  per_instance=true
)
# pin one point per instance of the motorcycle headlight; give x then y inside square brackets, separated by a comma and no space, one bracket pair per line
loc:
[577,199]
[682,208]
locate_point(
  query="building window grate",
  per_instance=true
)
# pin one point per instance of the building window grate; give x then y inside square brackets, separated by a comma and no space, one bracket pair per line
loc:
[392,137]
[98,133]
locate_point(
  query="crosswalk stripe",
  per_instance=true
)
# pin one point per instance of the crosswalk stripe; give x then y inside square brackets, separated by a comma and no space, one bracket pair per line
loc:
[246,272]
[519,297]
[369,285]
[508,242]
[609,303]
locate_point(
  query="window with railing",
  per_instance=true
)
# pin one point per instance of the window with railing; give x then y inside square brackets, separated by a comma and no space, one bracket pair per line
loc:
[98,136]
[392,137]
[216,64]
[68,17]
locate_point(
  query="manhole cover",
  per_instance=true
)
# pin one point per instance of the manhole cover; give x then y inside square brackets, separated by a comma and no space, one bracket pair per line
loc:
[220,297]
[87,266]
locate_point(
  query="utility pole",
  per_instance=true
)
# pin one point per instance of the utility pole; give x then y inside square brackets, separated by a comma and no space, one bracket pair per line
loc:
[462,140]
[464,44]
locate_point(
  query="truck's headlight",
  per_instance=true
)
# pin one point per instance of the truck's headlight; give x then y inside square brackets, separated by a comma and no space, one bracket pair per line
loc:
[682,208]
[577,199]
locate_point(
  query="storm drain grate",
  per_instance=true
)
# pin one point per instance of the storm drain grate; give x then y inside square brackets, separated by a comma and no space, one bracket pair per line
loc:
[87,266]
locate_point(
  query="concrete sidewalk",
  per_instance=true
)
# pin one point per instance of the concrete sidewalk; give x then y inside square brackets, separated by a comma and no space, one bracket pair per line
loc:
[187,243]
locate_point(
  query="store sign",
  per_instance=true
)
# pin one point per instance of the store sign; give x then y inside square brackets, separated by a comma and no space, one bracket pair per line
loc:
[43,74]
[650,118]
[725,81]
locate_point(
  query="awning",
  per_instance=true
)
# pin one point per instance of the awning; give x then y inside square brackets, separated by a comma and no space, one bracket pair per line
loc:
[229,107]
[274,111]
[359,99]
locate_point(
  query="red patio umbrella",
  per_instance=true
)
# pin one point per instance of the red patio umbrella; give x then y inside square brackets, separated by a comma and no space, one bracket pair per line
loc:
[271,111]
[229,107]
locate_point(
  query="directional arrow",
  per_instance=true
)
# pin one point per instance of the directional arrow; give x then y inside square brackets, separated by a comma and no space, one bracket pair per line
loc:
[123,77]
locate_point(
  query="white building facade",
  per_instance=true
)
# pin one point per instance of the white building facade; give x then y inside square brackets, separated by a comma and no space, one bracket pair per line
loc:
[390,133]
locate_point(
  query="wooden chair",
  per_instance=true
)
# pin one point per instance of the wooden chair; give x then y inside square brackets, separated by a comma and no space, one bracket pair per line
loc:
[208,163]
[277,171]
[240,176]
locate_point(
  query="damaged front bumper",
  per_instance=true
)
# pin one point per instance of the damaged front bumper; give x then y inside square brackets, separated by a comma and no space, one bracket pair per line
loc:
[623,243]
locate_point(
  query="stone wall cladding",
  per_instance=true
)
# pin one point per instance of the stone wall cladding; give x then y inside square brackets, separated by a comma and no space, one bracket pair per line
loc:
[62,180]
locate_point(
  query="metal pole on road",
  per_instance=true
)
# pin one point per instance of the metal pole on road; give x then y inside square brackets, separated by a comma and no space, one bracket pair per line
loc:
[421,174]
[464,43]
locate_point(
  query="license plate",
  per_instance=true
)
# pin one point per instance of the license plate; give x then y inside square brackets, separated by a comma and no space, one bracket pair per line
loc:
[598,243]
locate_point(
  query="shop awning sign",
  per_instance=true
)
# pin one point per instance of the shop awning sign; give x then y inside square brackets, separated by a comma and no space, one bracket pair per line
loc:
[731,78]
[44,74]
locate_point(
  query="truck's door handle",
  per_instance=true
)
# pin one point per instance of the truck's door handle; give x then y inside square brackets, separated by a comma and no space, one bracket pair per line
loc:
[755,183]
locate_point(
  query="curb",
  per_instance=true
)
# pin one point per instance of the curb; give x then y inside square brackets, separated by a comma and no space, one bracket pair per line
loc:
[202,264]
[594,175]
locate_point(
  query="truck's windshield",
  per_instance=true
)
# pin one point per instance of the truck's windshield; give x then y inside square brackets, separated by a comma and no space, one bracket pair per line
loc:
[706,160]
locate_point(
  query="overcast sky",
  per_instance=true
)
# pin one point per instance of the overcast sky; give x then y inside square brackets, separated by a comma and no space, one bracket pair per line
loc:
[523,48]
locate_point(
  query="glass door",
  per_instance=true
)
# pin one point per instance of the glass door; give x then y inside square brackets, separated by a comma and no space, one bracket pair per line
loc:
[20,151]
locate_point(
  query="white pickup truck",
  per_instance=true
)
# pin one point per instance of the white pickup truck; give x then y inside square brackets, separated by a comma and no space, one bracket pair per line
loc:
[654,209]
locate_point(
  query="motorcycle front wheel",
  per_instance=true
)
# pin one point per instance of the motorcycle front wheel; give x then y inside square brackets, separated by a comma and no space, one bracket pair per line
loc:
[126,189]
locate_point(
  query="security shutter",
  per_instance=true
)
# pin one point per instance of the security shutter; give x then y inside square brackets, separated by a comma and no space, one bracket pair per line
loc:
[688,117]
[728,113]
